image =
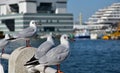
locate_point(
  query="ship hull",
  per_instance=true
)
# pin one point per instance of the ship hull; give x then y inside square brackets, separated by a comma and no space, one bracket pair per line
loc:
[82,37]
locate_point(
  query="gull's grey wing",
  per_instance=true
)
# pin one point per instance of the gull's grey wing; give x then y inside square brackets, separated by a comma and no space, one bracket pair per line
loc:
[43,49]
[57,59]
[57,50]
[26,33]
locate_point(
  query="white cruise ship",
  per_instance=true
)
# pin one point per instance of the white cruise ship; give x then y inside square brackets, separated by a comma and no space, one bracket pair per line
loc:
[108,15]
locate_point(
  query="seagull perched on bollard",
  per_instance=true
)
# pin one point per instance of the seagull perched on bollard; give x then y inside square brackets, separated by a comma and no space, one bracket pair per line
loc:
[43,48]
[27,33]
[55,56]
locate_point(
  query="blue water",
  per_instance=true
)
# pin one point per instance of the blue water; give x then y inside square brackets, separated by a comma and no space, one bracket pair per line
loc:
[87,56]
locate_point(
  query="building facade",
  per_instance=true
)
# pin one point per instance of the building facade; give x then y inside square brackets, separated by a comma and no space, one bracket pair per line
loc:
[15,15]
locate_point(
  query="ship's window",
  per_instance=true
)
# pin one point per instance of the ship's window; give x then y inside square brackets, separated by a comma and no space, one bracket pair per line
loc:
[49,29]
[49,21]
[43,21]
[54,21]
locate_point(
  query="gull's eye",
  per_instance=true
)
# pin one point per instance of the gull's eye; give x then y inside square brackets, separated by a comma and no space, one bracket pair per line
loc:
[32,22]
[65,37]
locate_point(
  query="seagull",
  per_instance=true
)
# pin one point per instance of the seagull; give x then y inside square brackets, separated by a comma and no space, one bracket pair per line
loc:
[27,32]
[43,48]
[56,55]
[4,42]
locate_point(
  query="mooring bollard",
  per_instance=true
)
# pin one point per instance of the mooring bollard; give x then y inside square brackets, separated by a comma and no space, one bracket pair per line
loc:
[19,57]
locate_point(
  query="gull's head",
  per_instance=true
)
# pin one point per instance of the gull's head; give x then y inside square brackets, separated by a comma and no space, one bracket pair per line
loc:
[7,36]
[64,40]
[64,37]
[48,36]
[33,23]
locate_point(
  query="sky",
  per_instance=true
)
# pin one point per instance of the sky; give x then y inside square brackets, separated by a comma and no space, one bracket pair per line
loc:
[87,7]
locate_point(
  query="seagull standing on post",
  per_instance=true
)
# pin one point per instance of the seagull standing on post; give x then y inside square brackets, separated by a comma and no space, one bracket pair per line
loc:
[43,48]
[27,33]
[56,55]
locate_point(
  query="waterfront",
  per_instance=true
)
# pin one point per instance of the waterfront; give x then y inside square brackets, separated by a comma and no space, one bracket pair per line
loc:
[87,56]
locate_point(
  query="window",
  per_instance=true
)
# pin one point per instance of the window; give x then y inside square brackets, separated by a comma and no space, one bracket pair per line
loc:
[14,8]
[49,29]
[54,21]
[10,24]
[44,8]
[43,21]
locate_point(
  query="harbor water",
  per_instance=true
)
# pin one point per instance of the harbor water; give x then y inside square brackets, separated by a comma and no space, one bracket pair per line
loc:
[87,56]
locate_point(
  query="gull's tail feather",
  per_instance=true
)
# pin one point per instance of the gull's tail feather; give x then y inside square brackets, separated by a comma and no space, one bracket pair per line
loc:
[13,38]
[9,37]
[32,61]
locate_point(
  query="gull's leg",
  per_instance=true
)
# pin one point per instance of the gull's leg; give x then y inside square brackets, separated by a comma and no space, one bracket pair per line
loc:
[2,52]
[58,69]
[28,43]
[43,71]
